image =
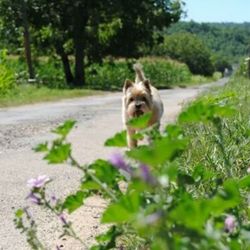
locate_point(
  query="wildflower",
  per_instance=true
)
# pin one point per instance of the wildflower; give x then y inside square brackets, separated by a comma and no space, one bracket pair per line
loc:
[39,182]
[152,218]
[34,199]
[27,212]
[117,161]
[146,175]
[62,218]
[229,224]
[53,200]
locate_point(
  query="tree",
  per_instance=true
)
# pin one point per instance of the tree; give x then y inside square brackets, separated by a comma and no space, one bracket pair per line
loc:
[188,48]
[18,10]
[85,23]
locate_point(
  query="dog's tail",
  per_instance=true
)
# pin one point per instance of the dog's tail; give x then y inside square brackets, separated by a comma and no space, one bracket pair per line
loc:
[139,73]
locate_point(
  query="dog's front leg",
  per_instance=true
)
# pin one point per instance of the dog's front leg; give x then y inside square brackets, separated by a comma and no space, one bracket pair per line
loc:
[132,143]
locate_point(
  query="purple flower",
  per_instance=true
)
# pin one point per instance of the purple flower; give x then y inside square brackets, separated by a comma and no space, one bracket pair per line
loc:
[62,218]
[27,212]
[146,175]
[34,199]
[117,161]
[53,200]
[39,182]
[152,218]
[229,224]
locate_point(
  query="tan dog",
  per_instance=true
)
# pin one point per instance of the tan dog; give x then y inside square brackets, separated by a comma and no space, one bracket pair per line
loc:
[140,97]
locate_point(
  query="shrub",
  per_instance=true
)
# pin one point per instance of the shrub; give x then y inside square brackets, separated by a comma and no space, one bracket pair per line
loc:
[7,80]
[189,49]
[164,73]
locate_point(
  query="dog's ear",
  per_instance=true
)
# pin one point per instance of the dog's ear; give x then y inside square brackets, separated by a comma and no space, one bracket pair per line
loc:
[127,84]
[146,84]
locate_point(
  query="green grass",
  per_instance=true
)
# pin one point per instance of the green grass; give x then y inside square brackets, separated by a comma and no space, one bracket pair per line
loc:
[27,94]
[203,148]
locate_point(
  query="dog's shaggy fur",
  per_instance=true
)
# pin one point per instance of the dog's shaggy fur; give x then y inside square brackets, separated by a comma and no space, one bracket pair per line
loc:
[140,97]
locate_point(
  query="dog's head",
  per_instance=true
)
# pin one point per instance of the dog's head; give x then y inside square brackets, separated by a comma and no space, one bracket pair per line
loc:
[137,98]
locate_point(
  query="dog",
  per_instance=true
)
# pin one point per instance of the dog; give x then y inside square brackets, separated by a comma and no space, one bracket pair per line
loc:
[140,97]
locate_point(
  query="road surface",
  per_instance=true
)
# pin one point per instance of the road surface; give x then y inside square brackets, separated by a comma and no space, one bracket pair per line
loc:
[22,128]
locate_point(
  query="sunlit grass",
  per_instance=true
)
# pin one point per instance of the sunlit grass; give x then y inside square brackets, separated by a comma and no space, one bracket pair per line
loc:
[27,94]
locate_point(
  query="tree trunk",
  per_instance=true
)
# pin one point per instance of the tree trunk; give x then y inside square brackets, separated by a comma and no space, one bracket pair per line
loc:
[27,47]
[80,21]
[66,65]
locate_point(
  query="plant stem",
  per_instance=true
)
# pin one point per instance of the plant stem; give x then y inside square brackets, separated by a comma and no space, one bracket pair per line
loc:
[94,178]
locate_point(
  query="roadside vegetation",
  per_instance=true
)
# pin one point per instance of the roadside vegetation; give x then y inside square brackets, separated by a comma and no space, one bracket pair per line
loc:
[108,76]
[188,189]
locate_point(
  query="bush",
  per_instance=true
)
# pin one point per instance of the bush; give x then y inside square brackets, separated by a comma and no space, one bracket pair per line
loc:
[162,72]
[189,49]
[7,80]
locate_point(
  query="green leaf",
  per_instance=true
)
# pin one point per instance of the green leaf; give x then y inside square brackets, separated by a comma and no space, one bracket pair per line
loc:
[159,152]
[43,147]
[228,197]
[191,213]
[59,153]
[201,111]
[19,213]
[73,202]
[124,210]
[104,171]
[173,131]
[90,185]
[65,128]
[245,182]
[140,122]
[119,140]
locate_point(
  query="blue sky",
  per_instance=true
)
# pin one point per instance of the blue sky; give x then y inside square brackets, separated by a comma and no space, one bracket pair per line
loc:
[218,10]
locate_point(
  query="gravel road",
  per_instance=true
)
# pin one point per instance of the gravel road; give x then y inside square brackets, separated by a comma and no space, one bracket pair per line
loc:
[22,128]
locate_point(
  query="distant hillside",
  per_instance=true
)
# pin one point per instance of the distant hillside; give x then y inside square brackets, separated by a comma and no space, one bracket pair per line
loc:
[229,40]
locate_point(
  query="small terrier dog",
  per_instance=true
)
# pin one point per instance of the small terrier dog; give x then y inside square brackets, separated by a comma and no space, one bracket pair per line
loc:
[140,97]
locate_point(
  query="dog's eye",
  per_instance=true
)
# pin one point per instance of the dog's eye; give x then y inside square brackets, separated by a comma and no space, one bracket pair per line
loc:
[144,99]
[131,99]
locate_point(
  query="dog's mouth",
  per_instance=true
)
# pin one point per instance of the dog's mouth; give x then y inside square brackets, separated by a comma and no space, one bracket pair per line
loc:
[138,113]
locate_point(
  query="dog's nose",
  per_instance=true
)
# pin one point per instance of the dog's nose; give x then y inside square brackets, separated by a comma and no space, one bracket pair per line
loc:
[138,105]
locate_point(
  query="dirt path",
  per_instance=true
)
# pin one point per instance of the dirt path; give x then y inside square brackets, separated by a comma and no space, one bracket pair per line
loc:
[24,127]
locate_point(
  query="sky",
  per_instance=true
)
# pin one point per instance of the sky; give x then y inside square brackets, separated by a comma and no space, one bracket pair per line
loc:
[218,10]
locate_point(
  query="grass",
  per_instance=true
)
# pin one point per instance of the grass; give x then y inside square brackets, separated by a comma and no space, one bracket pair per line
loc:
[28,94]
[203,148]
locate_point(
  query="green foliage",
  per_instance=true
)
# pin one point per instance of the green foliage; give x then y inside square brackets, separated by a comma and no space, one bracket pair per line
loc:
[74,201]
[189,49]
[7,80]
[229,41]
[188,189]
[118,140]
[106,28]
[162,72]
